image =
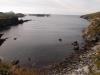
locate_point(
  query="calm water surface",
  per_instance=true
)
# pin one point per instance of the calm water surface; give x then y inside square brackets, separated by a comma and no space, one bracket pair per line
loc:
[38,39]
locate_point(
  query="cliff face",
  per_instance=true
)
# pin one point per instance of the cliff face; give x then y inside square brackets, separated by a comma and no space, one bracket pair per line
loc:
[91,16]
[10,19]
[92,32]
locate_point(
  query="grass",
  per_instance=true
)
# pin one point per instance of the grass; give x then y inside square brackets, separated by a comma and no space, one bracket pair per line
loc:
[9,69]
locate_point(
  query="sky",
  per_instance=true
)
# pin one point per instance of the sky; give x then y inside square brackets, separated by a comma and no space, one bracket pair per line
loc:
[50,6]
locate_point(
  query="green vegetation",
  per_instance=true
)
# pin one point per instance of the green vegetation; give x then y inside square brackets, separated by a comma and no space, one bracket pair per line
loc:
[95,70]
[10,14]
[92,33]
[10,69]
[9,19]
[4,69]
[91,16]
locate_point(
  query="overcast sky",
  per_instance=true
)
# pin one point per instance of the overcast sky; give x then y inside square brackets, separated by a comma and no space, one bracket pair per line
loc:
[50,6]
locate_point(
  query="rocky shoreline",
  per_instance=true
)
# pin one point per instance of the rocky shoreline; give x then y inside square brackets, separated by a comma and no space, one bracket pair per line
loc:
[81,62]
[72,63]
[84,61]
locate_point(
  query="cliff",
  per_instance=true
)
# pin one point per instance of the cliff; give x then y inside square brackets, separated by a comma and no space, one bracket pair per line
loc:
[92,34]
[10,19]
[87,60]
[91,16]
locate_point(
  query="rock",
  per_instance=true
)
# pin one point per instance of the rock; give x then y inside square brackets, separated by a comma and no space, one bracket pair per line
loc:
[76,45]
[2,41]
[60,39]
[15,62]
[1,35]
[96,48]
[15,38]
[9,19]
[29,59]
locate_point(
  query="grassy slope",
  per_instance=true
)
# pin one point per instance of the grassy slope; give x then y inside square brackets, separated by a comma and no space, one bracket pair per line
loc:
[93,31]
[9,69]
[91,16]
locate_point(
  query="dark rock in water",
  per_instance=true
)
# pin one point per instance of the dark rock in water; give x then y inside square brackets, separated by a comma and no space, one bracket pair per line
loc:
[15,62]
[1,35]
[2,41]
[60,39]
[22,21]
[15,38]
[27,20]
[76,45]
[29,59]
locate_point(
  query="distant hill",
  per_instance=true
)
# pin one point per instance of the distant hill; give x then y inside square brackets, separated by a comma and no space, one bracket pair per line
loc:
[9,19]
[20,15]
[91,16]
[10,14]
[40,15]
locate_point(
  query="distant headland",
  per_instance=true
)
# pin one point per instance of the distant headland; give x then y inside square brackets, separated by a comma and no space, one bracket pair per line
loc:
[10,19]
[40,15]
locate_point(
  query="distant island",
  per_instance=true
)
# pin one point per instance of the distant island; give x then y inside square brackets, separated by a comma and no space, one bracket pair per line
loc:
[40,15]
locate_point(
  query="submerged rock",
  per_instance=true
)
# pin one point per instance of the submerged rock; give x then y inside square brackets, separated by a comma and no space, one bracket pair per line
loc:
[60,40]
[15,38]
[76,45]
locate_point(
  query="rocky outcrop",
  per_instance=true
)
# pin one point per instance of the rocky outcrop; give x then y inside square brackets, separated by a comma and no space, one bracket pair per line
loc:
[91,16]
[10,19]
[2,40]
[92,33]
[87,60]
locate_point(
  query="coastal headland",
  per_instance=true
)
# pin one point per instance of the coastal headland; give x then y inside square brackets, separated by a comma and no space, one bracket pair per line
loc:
[85,61]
